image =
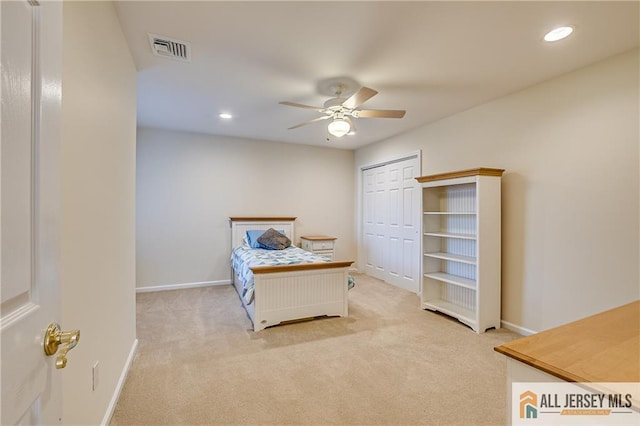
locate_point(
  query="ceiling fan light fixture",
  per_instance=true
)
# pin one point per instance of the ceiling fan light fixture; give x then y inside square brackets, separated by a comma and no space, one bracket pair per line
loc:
[339,127]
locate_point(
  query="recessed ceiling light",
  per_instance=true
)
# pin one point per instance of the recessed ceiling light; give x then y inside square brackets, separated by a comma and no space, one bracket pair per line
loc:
[558,33]
[225,115]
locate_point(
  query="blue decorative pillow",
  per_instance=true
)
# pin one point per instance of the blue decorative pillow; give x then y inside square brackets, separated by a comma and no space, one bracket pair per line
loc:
[252,237]
[274,240]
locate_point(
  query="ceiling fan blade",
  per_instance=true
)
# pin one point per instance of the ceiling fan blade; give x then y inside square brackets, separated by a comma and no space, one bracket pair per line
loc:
[310,121]
[381,113]
[293,104]
[360,97]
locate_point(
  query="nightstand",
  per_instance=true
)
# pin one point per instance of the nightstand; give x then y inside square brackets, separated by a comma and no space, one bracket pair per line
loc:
[318,244]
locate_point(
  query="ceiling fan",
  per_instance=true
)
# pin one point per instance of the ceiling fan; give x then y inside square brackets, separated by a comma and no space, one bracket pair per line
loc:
[341,110]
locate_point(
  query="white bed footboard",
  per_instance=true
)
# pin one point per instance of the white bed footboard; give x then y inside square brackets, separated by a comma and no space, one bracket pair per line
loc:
[291,292]
[285,296]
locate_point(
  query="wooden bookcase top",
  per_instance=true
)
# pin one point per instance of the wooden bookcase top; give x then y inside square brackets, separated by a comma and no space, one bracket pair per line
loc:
[480,171]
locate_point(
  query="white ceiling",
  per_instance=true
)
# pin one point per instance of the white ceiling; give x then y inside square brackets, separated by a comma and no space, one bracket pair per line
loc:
[432,59]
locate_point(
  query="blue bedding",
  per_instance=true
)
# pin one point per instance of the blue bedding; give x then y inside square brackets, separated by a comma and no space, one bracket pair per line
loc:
[244,257]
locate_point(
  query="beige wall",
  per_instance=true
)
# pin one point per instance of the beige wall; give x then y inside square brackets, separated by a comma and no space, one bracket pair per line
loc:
[189,184]
[98,205]
[570,192]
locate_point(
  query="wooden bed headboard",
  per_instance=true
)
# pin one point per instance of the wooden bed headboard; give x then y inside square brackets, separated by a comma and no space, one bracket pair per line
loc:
[239,225]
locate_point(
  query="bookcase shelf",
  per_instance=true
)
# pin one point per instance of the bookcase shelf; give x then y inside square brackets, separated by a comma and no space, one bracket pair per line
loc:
[453,257]
[452,279]
[461,220]
[450,213]
[466,316]
[445,234]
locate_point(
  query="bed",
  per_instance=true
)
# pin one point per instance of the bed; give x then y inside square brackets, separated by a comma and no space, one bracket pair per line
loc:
[288,292]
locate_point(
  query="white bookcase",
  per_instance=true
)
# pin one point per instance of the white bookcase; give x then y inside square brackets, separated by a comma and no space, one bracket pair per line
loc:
[461,246]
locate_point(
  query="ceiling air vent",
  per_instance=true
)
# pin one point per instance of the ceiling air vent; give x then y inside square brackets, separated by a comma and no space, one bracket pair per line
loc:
[167,47]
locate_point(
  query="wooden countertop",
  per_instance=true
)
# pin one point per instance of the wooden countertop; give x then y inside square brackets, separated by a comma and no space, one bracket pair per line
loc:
[601,348]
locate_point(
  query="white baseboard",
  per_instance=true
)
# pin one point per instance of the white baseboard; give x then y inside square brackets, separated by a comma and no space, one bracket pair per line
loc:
[181,286]
[123,376]
[517,329]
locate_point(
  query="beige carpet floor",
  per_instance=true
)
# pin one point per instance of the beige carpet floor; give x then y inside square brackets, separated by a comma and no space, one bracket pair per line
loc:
[389,362]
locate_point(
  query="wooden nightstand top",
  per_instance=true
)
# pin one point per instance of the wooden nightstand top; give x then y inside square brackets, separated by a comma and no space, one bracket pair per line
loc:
[318,237]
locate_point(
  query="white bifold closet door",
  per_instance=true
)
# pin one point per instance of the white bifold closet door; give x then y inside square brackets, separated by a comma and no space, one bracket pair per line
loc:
[391,222]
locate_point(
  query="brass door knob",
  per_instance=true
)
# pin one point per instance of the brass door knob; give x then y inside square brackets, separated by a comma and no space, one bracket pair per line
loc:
[54,337]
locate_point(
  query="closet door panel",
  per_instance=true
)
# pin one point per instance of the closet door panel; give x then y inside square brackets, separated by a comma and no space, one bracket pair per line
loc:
[368,221]
[391,223]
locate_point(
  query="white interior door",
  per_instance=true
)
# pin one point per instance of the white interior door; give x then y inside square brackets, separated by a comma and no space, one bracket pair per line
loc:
[404,225]
[374,221]
[31,37]
[391,222]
